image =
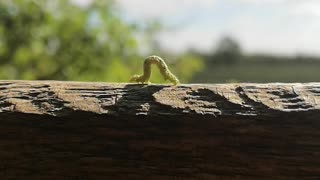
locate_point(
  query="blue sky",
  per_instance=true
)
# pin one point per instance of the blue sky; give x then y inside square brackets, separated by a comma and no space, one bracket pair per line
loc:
[285,27]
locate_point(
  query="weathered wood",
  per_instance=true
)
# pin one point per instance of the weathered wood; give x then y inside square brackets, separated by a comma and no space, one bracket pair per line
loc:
[73,130]
[63,98]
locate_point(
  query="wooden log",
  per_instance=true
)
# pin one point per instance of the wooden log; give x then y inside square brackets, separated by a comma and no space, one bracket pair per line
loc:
[75,130]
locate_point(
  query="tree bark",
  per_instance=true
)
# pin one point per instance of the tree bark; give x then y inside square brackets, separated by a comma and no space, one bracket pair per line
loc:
[74,130]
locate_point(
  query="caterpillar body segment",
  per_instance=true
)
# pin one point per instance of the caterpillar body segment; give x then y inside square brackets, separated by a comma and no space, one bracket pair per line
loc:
[162,66]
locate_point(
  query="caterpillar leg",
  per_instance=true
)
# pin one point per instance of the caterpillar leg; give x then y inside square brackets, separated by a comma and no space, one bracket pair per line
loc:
[140,79]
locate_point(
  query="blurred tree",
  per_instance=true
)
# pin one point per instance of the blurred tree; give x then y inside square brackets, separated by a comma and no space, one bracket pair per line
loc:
[150,32]
[187,66]
[61,40]
[228,50]
[58,39]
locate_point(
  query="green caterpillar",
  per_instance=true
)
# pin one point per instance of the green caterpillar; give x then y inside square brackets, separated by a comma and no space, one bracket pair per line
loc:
[162,66]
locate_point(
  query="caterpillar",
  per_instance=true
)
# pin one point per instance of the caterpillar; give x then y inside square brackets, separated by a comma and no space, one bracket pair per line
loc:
[162,66]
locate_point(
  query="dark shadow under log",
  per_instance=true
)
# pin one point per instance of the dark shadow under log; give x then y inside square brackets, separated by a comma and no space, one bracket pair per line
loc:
[71,130]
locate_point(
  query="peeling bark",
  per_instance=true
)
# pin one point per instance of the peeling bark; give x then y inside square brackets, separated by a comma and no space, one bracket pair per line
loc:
[74,130]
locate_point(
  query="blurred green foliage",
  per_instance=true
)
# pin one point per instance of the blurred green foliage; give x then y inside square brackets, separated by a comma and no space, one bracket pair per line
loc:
[59,40]
[56,39]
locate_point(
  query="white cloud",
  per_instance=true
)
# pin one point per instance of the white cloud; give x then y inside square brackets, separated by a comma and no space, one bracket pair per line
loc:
[262,1]
[179,41]
[281,33]
[281,26]
[308,8]
[81,3]
[148,9]
[300,7]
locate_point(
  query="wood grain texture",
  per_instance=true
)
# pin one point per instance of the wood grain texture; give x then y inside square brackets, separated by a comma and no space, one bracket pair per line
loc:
[63,98]
[83,131]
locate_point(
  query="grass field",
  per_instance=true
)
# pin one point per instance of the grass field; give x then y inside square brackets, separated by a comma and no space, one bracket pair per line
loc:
[260,72]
